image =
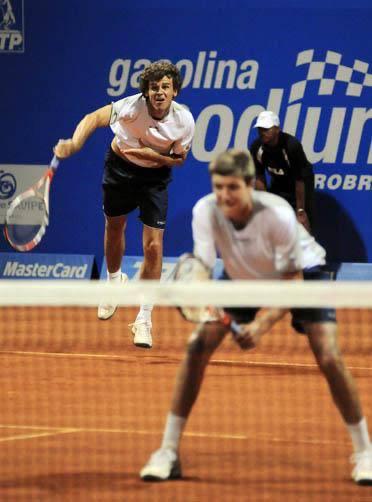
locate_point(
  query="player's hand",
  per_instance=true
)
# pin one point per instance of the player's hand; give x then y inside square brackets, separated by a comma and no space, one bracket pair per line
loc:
[251,334]
[304,220]
[175,160]
[65,148]
[182,154]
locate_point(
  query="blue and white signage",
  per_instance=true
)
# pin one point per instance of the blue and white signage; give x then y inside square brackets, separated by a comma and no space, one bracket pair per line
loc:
[12,29]
[310,65]
[131,267]
[45,266]
[15,179]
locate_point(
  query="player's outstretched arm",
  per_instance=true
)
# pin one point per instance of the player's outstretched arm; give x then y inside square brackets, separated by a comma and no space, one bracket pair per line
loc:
[99,118]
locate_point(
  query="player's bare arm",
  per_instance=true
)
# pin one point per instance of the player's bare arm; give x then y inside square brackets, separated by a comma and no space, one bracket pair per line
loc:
[260,183]
[300,204]
[158,159]
[92,121]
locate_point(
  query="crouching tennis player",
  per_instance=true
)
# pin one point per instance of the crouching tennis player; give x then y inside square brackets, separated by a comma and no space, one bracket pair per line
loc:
[257,237]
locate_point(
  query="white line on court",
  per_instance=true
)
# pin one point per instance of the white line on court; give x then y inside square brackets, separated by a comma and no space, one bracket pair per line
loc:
[280,364]
[33,435]
[273,364]
[245,437]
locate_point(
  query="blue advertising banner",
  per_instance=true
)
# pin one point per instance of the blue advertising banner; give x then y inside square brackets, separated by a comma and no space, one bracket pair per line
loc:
[340,271]
[131,266]
[45,266]
[311,66]
[354,272]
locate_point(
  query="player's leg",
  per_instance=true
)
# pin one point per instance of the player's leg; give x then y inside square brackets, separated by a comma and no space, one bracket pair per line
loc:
[118,201]
[114,246]
[150,269]
[114,242]
[153,204]
[201,345]
[324,345]
[164,463]
[152,253]
[321,329]
[323,341]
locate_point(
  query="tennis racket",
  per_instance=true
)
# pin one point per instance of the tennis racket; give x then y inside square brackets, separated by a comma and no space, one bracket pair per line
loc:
[190,268]
[27,216]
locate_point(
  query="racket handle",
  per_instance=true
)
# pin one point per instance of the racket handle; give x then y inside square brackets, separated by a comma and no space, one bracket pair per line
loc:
[54,163]
[236,328]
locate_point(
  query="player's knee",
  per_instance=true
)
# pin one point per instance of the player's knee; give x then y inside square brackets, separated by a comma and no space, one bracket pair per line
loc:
[329,360]
[115,226]
[153,250]
[200,344]
[196,344]
[324,344]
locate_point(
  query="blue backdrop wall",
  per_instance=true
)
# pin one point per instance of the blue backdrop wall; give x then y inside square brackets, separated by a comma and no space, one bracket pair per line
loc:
[60,60]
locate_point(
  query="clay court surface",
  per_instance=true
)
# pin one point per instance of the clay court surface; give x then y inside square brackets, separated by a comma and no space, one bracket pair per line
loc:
[82,409]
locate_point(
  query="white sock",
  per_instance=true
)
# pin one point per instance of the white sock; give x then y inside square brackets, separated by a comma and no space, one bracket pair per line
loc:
[145,313]
[174,426]
[359,435]
[114,276]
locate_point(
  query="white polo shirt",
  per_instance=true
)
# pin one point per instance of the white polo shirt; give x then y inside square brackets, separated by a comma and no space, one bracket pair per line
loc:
[272,242]
[131,122]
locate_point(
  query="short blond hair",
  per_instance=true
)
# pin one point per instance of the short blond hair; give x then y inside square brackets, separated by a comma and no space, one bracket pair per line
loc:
[234,162]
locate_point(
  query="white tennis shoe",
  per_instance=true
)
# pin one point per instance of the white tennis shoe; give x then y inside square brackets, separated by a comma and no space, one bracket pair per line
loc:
[362,472]
[142,333]
[105,310]
[163,464]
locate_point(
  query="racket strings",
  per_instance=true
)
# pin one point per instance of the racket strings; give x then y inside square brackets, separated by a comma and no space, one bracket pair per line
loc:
[28,215]
[190,268]
[26,220]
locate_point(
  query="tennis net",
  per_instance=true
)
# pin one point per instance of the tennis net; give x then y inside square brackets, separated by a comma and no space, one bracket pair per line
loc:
[83,408]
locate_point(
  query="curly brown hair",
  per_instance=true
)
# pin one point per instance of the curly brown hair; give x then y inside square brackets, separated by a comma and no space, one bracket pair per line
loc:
[156,71]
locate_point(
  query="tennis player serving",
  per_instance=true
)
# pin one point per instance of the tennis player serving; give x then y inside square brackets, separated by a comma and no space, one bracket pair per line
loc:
[153,133]
[258,237]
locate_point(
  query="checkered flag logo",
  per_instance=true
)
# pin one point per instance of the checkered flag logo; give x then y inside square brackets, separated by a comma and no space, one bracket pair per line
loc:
[343,73]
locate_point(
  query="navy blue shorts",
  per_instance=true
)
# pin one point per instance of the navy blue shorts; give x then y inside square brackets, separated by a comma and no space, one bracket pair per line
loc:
[127,187]
[299,315]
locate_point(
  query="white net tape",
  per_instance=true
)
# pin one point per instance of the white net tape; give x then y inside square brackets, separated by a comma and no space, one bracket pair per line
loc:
[215,293]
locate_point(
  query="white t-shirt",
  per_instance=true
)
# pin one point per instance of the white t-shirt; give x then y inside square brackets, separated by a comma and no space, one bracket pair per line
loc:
[272,242]
[131,122]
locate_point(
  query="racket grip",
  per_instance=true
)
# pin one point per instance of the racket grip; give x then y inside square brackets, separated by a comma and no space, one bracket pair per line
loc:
[236,329]
[54,163]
